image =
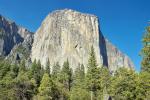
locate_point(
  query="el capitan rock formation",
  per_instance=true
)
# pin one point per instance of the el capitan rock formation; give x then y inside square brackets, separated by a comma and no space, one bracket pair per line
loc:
[68,34]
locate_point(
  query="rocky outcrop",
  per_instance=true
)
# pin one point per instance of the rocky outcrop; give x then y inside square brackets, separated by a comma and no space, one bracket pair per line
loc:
[67,34]
[116,58]
[11,35]
[21,51]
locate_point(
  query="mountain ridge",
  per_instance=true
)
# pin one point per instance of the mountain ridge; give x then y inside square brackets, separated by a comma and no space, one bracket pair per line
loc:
[80,27]
[12,35]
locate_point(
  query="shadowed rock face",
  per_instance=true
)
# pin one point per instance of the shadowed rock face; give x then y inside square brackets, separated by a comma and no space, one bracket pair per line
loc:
[67,34]
[10,35]
[103,49]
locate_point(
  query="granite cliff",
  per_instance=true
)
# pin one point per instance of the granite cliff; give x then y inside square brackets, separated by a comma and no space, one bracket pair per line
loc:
[64,34]
[116,58]
[68,34]
[11,35]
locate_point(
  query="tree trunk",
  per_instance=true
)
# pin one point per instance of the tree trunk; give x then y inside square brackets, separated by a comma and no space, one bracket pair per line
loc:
[91,95]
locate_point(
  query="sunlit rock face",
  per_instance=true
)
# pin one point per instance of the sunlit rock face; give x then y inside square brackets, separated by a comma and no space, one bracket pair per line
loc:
[116,58]
[67,34]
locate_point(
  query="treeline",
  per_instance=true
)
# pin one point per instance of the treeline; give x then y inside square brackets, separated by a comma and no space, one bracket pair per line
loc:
[21,82]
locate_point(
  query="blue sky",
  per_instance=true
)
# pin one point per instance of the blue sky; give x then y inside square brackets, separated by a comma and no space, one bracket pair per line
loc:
[122,21]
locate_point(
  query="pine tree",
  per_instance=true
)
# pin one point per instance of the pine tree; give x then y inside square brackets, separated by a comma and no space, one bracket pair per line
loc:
[14,70]
[82,71]
[48,67]
[92,75]
[143,86]
[31,69]
[79,94]
[65,80]
[4,68]
[47,89]
[39,65]
[78,90]
[36,72]
[124,85]
[79,76]
[22,66]
[104,82]
[24,88]
[67,75]
[8,73]
[56,71]
[144,77]
[145,52]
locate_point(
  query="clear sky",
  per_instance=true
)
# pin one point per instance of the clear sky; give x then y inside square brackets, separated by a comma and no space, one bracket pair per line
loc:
[121,21]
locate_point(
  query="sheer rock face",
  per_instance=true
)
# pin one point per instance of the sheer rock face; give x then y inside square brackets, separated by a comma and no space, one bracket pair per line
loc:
[11,35]
[67,34]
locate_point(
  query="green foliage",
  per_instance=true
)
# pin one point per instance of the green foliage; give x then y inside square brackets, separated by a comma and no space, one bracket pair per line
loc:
[47,89]
[62,79]
[145,52]
[103,82]
[79,94]
[14,71]
[21,82]
[7,92]
[7,73]
[36,72]
[92,75]
[123,85]
[48,67]
[143,86]
[22,66]
[56,71]
[16,85]
[24,87]
[4,68]
[105,76]
[78,91]
[79,76]
[66,75]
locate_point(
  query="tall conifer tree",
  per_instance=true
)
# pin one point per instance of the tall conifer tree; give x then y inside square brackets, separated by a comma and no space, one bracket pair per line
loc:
[48,67]
[146,51]
[67,75]
[92,74]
